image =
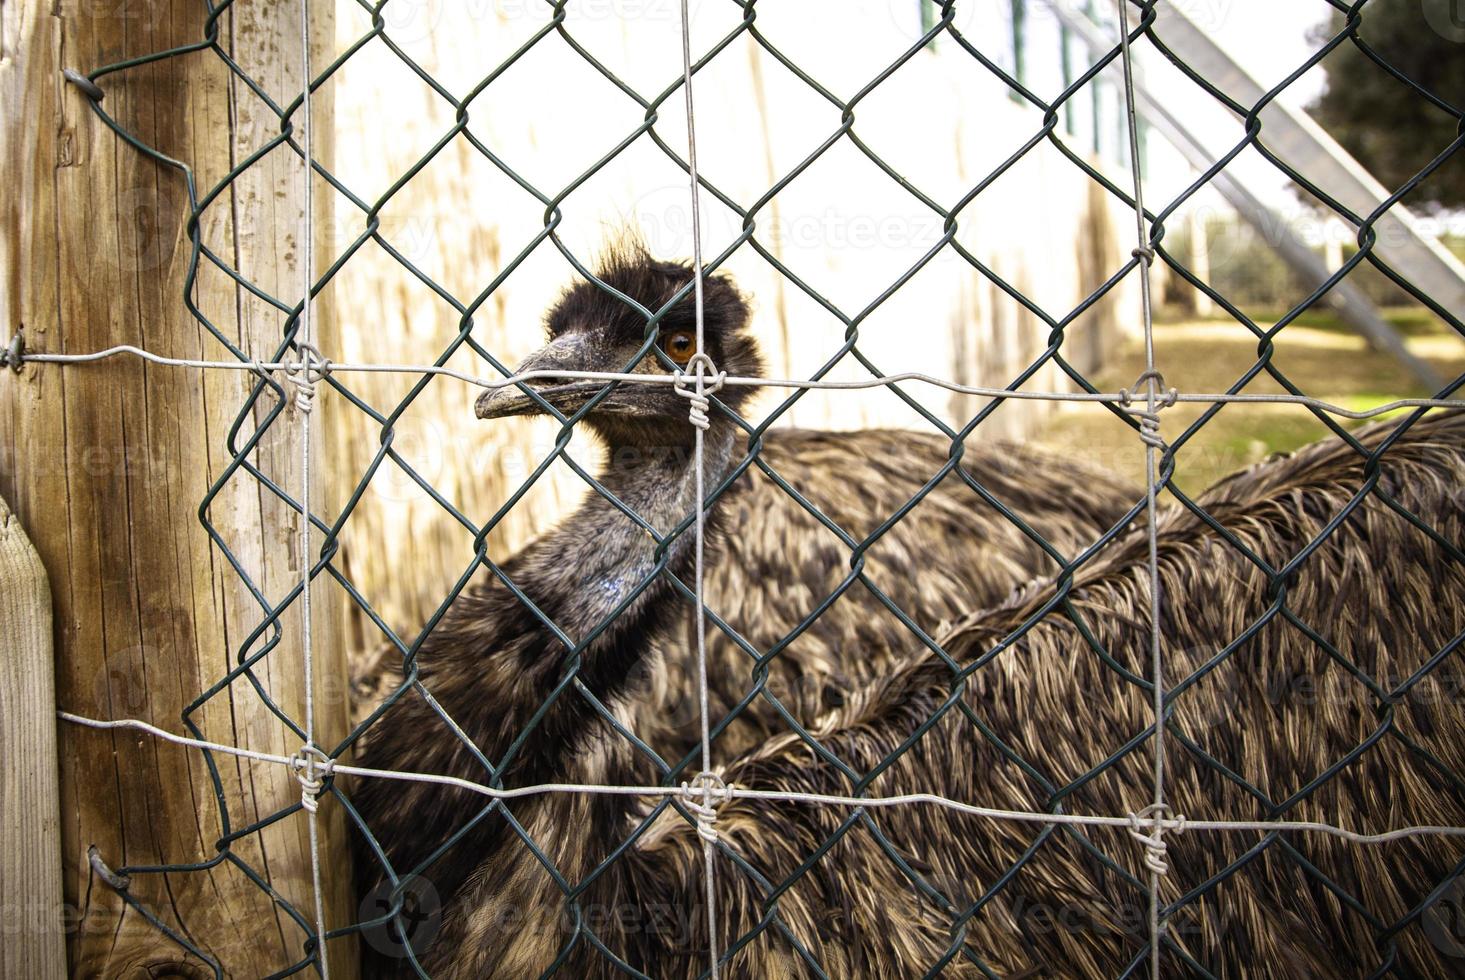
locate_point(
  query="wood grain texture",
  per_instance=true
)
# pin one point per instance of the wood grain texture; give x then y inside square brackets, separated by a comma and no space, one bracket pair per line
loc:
[30,820]
[107,465]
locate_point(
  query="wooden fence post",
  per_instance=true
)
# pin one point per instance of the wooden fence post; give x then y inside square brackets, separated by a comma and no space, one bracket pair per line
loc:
[106,465]
[30,828]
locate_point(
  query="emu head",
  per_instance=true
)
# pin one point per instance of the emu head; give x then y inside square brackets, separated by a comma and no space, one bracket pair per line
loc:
[592,329]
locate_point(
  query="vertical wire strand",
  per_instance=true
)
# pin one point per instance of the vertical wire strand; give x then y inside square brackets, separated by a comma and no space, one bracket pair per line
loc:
[306,368]
[1157,671]
[708,855]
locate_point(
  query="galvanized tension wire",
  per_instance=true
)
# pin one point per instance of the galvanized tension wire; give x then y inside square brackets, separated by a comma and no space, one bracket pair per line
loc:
[1154,842]
[312,765]
[1043,818]
[1123,397]
[707,790]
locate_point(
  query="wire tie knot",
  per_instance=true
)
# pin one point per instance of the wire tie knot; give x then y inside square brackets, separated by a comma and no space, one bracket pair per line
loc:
[1149,420]
[708,381]
[702,796]
[1144,254]
[91,89]
[304,373]
[312,767]
[14,353]
[115,881]
[1167,397]
[1153,818]
[1149,428]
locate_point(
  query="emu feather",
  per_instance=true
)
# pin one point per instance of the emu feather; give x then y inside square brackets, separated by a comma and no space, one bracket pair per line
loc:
[1247,741]
[1005,514]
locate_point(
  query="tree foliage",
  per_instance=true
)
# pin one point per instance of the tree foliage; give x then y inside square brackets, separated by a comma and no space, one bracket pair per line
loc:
[1390,127]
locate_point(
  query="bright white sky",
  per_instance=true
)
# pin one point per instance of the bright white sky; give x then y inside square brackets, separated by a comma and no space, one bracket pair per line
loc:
[1269,38]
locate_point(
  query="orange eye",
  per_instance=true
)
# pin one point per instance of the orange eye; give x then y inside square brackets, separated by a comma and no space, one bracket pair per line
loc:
[680,346]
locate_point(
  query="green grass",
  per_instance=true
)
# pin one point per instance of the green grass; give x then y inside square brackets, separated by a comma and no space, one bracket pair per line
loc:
[1410,321]
[1316,354]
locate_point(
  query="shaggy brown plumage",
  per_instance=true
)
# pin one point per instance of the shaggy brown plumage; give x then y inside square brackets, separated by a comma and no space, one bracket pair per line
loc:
[493,661]
[1251,739]
[776,564]
[962,546]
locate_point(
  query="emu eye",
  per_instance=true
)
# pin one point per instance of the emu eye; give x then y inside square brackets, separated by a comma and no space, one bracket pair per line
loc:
[680,346]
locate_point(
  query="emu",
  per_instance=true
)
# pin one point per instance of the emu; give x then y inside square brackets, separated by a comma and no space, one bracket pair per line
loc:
[962,546]
[492,661]
[1367,615]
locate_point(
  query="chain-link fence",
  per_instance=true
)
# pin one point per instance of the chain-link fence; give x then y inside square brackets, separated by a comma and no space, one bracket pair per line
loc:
[841,798]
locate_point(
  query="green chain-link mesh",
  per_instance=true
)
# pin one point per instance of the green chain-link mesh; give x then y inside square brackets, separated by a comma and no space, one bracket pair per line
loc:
[938,18]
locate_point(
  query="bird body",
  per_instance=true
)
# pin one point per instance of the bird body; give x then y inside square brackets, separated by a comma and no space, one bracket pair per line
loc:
[563,668]
[865,546]
[591,622]
[1035,729]
[1325,695]
[778,564]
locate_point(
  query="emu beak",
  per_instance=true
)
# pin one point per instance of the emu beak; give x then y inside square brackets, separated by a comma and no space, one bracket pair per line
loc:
[566,353]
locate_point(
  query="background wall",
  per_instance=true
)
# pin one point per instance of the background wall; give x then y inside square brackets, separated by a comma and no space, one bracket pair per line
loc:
[843,226]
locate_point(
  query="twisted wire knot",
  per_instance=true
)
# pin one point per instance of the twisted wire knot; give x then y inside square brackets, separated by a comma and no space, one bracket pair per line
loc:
[1149,428]
[1144,254]
[1154,843]
[702,796]
[92,90]
[1149,420]
[304,373]
[311,766]
[117,882]
[708,381]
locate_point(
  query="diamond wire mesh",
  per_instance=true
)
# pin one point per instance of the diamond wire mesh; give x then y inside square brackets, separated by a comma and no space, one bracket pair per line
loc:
[270,398]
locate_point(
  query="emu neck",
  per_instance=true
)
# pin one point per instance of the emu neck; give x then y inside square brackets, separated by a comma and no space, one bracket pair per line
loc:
[493,663]
[600,556]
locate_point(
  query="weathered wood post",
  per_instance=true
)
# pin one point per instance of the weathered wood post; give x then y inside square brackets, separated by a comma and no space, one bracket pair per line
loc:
[106,465]
[30,828]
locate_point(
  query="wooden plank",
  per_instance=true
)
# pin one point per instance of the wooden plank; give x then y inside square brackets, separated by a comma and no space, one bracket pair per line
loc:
[106,465]
[30,817]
